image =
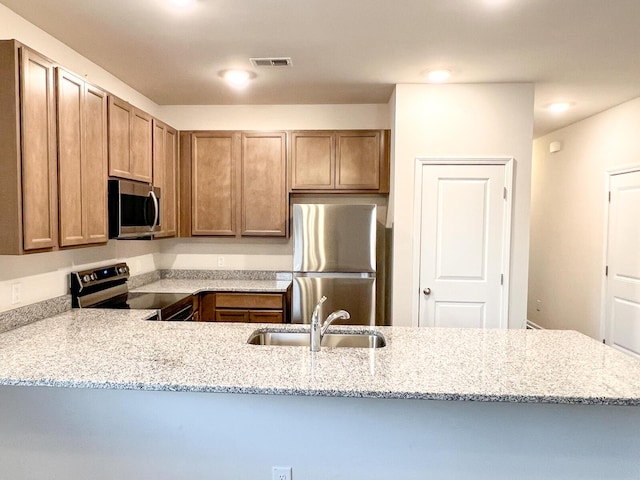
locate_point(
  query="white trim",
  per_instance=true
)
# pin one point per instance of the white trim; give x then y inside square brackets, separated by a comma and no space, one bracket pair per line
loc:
[532,325]
[604,307]
[508,162]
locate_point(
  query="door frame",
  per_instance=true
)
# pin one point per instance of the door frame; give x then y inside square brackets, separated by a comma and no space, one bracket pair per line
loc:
[610,172]
[420,162]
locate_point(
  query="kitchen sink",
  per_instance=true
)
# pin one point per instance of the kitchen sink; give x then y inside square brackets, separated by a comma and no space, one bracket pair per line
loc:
[332,340]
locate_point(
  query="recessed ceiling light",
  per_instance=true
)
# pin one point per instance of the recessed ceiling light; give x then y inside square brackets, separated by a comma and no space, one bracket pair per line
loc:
[181,3]
[438,76]
[559,107]
[237,78]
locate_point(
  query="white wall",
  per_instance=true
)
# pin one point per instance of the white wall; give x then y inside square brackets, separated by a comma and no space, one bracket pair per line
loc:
[276,117]
[568,214]
[41,276]
[460,120]
[14,26]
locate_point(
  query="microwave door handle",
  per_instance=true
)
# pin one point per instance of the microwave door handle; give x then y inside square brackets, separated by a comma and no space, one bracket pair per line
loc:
[156,209]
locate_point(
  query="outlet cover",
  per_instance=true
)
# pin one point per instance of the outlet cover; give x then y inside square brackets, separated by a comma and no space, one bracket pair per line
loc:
[281,473]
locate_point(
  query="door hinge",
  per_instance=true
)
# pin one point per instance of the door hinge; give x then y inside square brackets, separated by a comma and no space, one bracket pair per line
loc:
[606,271]
[502,279]
[504,193]
[609,197]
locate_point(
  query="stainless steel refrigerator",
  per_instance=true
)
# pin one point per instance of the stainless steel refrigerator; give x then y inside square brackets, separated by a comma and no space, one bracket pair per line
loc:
[334,254]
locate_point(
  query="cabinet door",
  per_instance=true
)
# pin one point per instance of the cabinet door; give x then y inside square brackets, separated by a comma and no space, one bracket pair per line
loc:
[232,315]
[95,165]
[266,316]
[264,186]
[119,137]
[70,97]
[358,159]
[39,175]
[213,188]
[169,194]
[141,145]
[312,160]
[82,161]
[159,130]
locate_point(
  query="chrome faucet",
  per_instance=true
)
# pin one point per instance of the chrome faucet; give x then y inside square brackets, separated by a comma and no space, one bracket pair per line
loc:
[317,331]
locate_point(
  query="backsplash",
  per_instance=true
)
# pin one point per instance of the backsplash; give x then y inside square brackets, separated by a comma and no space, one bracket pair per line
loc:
[225,274]
[21,316]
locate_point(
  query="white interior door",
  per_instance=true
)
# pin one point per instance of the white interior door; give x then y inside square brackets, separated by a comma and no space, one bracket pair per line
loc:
[464,245]
[622,325]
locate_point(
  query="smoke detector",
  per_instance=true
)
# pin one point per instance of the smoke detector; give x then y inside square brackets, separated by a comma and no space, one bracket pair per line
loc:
[271,62]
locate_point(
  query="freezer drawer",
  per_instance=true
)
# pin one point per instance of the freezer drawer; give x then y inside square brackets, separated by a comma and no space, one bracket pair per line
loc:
[356,295]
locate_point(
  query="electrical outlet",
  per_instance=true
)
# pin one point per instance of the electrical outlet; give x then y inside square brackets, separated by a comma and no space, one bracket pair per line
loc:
[281,473]
[16,293]
[220,261]
[538,305]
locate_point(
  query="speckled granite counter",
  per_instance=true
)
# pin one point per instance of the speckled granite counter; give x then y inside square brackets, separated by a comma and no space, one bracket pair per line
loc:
[120,350]
[172,285]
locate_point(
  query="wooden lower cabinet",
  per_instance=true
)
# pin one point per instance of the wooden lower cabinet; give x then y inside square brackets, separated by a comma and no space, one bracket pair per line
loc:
[244,307]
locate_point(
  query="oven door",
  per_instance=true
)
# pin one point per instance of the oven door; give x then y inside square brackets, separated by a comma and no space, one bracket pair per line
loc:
[182,311]
[134,210]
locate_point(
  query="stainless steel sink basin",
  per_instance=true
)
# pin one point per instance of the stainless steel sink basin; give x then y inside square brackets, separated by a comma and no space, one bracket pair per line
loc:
[333,340]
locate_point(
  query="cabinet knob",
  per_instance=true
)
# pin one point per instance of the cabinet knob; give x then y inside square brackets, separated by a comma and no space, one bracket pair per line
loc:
[427,291]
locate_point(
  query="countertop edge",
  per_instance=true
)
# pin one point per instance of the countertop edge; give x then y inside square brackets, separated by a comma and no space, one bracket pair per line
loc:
[442,396]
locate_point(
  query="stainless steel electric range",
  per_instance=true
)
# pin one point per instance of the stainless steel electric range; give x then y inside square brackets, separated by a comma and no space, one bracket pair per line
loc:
[106,287]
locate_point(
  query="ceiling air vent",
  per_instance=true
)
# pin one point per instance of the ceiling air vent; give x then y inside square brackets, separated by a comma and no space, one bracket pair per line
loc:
[271,62]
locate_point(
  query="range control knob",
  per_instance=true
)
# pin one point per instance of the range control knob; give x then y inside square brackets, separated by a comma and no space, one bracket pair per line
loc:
[94,276]
[122,270]
[86,279]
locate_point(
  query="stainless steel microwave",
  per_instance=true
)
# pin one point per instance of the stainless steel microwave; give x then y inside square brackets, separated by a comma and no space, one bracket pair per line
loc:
[134,209]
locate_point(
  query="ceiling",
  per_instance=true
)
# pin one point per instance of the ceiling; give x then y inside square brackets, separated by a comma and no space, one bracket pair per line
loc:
[586,52]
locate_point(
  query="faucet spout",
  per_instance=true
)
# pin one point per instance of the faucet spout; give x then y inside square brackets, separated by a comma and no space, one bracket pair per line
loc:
[331,318]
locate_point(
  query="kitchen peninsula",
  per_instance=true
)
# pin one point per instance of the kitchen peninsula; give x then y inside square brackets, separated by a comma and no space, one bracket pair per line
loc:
[140,399]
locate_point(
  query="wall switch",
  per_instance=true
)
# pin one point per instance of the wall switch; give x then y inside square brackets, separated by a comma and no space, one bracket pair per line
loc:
[538,305]
[220,261]
[281,473]
[16,293]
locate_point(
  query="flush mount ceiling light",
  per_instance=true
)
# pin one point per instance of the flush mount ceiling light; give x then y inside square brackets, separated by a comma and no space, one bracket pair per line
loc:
[559,107]
[437,76]
[237,78]
[181,3]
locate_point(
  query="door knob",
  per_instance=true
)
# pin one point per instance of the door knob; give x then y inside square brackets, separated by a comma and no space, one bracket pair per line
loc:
[427,291]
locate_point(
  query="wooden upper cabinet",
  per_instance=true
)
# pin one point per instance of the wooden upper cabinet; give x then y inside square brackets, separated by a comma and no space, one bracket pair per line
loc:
[141,146]
[82,161]
[340,161]
[264,189]
[39,175]
[165,149]
[130,141]
[358,160]
[312,160]
[214,165]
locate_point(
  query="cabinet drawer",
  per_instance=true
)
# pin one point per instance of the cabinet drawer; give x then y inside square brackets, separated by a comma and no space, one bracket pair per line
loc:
[243,300]
[232,315]
[266,316]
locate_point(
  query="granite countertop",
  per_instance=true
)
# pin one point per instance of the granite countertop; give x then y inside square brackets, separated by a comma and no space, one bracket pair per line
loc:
[171,285]
[120,350]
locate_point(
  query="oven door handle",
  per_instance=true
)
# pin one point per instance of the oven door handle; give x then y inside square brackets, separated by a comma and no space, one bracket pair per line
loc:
[180,312]
[156,209]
